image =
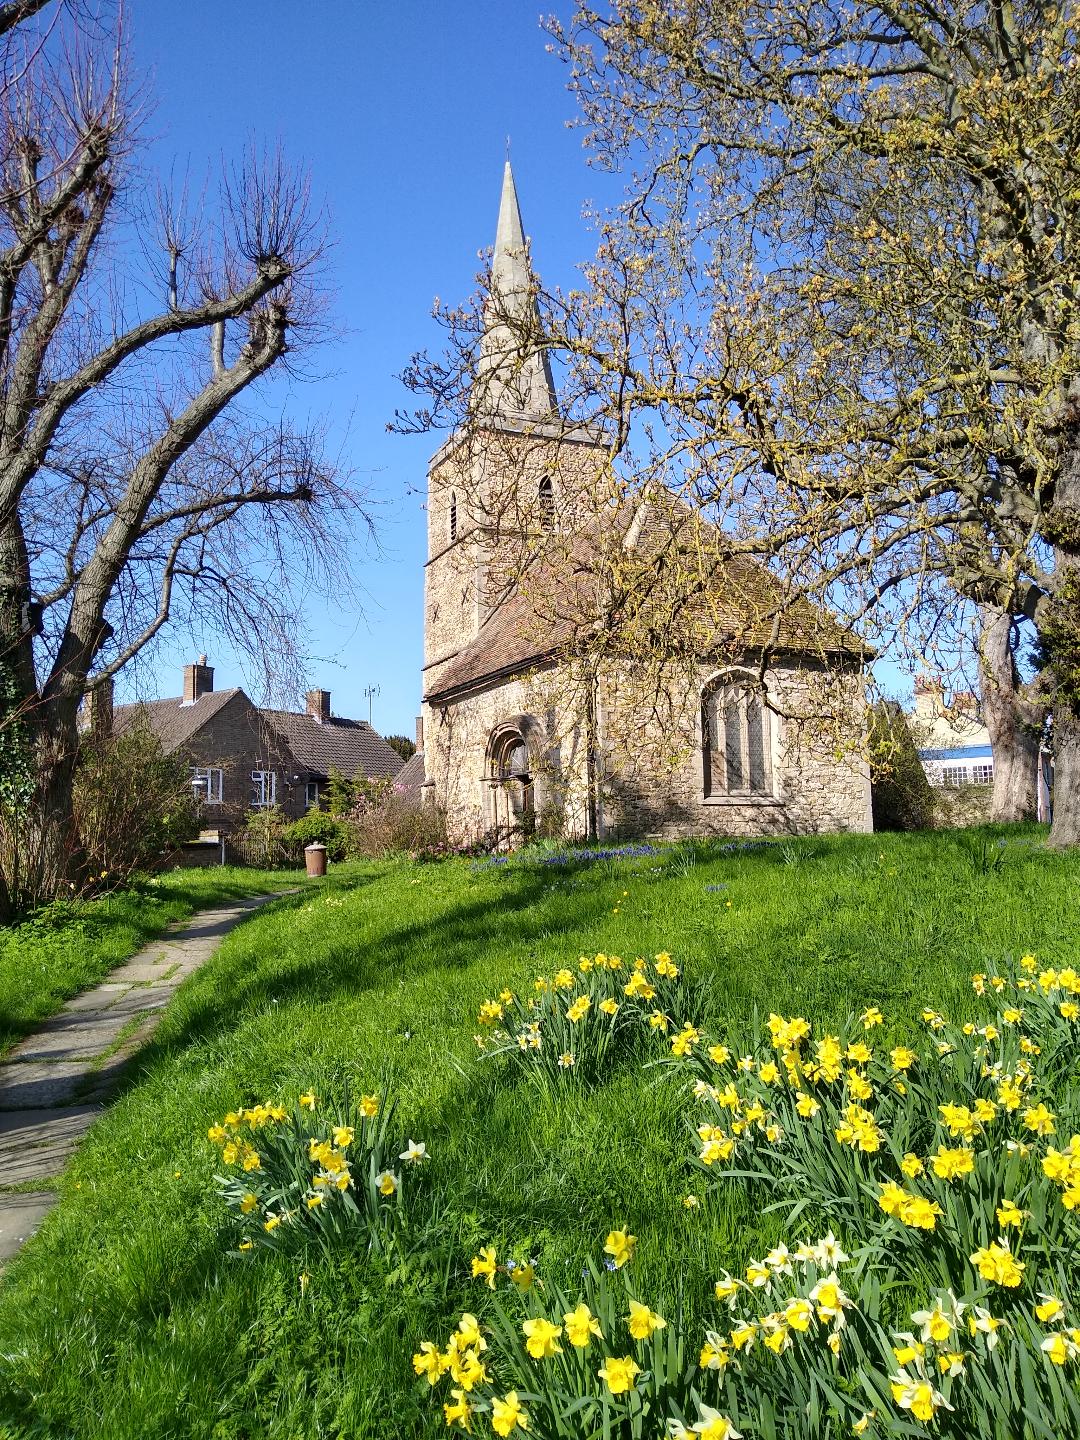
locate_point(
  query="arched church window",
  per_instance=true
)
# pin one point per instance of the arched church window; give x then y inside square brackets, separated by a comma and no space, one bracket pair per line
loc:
[547,502]
[453,516]
[510,758]
[736,737]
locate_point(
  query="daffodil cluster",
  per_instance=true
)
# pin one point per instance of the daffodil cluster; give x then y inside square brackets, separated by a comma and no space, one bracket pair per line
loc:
[596,1361]
[573,1024]
[939,1159]
[312,1170]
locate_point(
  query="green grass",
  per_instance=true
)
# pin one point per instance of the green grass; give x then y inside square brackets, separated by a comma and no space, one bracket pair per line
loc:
[66,948]
[123,1318]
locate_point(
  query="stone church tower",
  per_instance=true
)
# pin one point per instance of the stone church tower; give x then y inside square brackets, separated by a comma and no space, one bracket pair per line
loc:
[520,472]
[518,501]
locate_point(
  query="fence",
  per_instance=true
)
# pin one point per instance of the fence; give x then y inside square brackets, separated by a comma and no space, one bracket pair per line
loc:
[262,852]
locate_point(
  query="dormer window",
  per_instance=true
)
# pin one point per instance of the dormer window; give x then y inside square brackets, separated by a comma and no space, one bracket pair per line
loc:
[546,497]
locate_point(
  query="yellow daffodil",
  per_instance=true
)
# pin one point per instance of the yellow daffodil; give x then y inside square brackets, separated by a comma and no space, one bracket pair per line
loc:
[641,1322]
[541,1337]
[308,1101]
[581,1325]
[369,1106]
[508,1414]
[620,1246]
[428,1362]
[620,1375]
[484,1264]
[457,1410]
[997,1263]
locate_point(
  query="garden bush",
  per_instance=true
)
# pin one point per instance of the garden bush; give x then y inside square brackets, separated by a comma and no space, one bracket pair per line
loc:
[318,827]
[386,820]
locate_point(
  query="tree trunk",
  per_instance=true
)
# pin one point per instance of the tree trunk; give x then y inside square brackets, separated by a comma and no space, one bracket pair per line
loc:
[1065,829]
[1008,718]
[1059,635]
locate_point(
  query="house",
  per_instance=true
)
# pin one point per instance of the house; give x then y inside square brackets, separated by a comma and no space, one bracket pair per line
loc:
[245,758]
[517,735]
[953,743]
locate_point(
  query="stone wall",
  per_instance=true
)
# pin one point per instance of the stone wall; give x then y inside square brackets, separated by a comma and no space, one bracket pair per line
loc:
[456,748]
[650,775]
[655,780]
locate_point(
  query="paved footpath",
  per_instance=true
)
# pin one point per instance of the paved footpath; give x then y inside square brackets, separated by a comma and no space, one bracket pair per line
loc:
[56,1082]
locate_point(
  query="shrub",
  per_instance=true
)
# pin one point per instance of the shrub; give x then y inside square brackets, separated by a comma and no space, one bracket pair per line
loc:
[387,821]
[902,798]
[133,803]
[577,1022]
[319,827]
[310,1174]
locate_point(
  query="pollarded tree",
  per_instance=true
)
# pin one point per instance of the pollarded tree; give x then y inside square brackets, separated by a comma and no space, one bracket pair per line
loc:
[849,274]
[132,488]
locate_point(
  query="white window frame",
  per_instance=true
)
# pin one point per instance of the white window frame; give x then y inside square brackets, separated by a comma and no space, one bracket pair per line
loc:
[264,789]
[311,800]
[738,689]
[982,772]
[209,782]
[955,776]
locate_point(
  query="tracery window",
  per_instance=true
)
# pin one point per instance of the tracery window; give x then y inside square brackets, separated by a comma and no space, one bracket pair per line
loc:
[736,738]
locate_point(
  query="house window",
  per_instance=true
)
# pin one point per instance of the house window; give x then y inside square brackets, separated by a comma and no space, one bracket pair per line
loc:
[207,784]
[453,516]
[263,789]
[311,793]
[547,502]
[982,774]
[954,775]
[737,740]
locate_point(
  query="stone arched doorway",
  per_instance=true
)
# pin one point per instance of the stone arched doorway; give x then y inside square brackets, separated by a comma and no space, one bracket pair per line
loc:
[511,783]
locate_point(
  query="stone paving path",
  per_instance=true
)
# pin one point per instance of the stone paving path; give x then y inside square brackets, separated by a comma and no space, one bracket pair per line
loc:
[55,1083]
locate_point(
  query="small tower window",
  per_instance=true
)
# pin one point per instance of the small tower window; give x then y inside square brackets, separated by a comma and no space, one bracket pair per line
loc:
[547,502]
[453,516]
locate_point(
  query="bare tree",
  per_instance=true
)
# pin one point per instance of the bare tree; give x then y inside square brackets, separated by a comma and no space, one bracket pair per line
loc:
[132,488]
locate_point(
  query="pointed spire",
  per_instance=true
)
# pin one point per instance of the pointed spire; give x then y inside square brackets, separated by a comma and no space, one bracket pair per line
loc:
[513,381]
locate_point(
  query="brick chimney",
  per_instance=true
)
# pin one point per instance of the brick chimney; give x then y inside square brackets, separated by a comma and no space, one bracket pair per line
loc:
[318,705]
[198,680]
[420,732]
[99,710]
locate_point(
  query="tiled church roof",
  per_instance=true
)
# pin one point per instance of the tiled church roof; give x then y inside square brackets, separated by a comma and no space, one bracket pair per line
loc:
[740,609]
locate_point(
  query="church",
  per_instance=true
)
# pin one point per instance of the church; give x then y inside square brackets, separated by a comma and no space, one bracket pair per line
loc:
[743,720]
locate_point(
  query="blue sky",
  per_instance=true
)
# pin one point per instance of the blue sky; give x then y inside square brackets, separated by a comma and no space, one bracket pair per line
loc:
[401,112]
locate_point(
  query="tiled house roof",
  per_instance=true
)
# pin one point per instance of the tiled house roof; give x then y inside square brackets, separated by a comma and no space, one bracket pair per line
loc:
[173,722]
[742,605]
[351,746]
[412,774]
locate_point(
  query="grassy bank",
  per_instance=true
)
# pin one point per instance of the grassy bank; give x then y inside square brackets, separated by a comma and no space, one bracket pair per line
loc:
[66,948]
[125,1317]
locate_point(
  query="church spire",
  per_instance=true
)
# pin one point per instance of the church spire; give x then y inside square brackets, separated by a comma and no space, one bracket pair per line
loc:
[513,381]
